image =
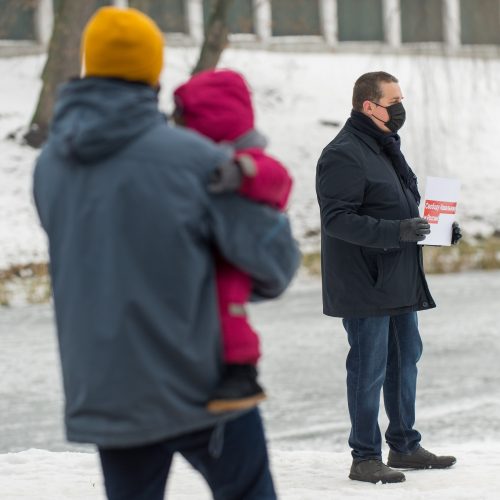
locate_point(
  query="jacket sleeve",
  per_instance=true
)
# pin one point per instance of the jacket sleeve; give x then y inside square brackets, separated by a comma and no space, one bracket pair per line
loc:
[340,185]
[265,179]
[256,239]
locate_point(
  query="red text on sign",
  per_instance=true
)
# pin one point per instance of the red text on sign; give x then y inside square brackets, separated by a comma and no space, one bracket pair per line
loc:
[434,208]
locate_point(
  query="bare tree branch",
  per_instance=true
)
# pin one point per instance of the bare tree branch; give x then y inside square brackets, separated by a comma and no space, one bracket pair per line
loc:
[216,37]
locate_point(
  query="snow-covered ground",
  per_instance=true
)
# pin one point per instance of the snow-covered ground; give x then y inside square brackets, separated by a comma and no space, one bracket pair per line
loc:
[458,404]
[45,475]
[452,128]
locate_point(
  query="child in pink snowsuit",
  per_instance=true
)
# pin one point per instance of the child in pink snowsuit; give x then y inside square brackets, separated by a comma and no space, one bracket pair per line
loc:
[217,104]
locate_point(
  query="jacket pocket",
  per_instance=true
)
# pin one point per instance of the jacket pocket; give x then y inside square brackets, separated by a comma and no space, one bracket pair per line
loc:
[379,282]
[390,271]
[381,264]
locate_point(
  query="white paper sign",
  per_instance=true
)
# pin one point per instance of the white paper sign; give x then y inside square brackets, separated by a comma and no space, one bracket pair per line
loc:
[439,208]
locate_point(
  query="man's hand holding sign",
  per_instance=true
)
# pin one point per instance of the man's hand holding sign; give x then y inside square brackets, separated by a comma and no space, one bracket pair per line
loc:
[439,209]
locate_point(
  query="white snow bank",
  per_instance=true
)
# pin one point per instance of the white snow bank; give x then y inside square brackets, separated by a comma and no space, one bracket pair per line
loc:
[452,128]
[305,475]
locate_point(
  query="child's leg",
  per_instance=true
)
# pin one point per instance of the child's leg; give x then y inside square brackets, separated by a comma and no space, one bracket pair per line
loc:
[241,345]
[240,341]
[238,388]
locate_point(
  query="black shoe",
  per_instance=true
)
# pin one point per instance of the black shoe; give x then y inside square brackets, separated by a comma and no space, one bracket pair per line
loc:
[238,390]
[419,459]
[373,471]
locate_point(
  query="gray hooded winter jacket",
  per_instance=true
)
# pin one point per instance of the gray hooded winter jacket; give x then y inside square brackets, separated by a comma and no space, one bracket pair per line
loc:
[131,229]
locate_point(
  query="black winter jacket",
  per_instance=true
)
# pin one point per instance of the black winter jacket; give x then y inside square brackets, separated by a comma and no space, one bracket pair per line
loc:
[366,270]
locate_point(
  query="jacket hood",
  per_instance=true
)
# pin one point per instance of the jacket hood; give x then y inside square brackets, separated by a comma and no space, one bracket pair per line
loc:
[94,117]
[217,104]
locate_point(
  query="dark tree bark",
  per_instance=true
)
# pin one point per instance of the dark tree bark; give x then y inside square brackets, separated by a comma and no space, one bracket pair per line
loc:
[63,62]
[216,37]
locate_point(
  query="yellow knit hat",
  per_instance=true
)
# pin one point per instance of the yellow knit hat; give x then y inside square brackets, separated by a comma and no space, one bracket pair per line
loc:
[122,43]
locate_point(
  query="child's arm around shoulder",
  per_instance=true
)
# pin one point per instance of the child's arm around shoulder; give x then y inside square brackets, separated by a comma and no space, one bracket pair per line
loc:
[265,179]
[256,176]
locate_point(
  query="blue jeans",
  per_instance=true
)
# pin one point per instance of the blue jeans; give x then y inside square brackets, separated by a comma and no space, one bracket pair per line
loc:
[231,457]
[384,353]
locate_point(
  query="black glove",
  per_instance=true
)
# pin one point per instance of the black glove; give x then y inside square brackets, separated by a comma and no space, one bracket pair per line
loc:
[414,229]
[456,233]
[226,178]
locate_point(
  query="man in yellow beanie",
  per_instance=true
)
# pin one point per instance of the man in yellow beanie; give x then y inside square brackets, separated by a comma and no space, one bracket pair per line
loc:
[132,229]
[122,43]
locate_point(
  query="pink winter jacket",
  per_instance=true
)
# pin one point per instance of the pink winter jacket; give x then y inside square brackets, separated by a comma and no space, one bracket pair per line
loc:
[217,103]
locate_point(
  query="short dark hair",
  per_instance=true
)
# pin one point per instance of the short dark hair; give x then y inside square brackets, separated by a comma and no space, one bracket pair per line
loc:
[367,88]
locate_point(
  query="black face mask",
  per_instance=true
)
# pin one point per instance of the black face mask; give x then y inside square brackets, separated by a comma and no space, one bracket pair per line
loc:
[397,116]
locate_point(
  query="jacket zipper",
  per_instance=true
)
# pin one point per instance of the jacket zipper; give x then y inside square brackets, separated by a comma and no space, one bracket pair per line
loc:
[427,292]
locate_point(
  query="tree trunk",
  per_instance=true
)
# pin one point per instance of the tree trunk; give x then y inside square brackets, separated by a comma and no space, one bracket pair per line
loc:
[63,62]
[216,37]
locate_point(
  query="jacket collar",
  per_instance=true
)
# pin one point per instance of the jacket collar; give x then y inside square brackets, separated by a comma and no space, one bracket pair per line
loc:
[369,141]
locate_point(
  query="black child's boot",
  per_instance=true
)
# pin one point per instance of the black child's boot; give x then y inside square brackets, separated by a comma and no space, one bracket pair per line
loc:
[237,390]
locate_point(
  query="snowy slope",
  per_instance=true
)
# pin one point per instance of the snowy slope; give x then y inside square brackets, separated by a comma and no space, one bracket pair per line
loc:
[452,128]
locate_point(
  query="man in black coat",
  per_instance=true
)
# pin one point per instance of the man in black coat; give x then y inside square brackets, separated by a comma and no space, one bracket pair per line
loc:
[373,276]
